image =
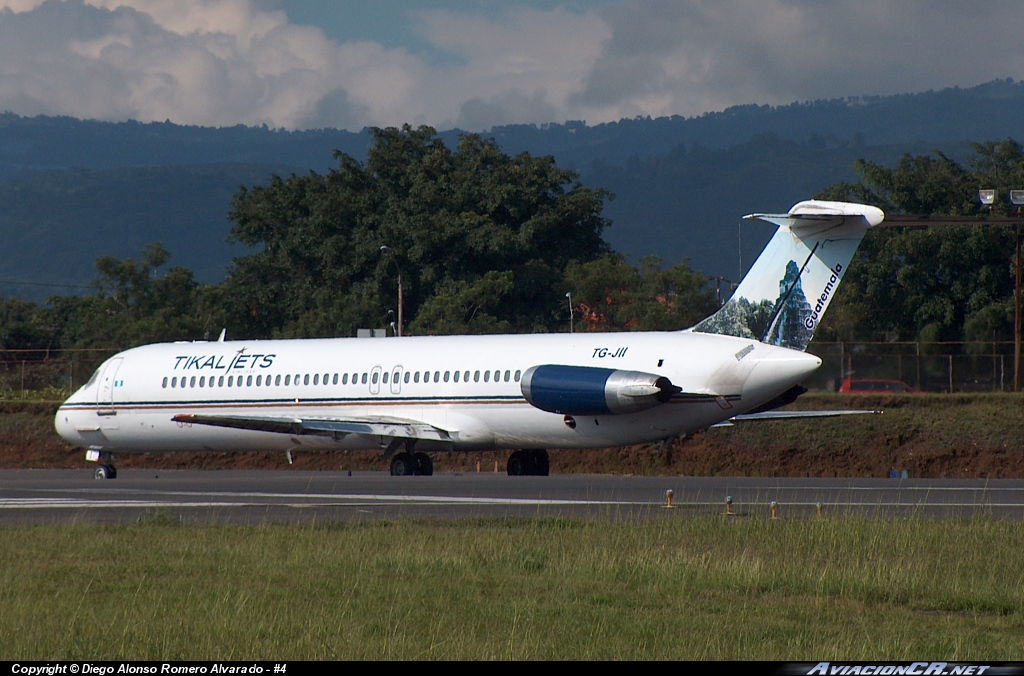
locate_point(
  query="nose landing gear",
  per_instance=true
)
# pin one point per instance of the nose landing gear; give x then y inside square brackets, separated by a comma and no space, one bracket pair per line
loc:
[105,470]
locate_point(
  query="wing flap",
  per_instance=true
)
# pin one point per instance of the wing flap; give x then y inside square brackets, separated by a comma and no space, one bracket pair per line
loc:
[398,428]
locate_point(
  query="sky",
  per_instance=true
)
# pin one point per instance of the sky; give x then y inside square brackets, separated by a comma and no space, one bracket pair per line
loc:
[474,64]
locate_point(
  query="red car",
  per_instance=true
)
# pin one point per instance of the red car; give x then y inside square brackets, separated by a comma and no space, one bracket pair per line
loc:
[850,386]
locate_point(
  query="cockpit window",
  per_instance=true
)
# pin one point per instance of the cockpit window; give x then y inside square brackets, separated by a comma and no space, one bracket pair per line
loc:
[92,379]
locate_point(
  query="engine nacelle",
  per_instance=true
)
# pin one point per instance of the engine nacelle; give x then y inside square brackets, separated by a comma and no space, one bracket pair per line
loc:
[587,390]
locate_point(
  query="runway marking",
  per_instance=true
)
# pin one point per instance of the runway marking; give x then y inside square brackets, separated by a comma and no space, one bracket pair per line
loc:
[316,501]
[424,500]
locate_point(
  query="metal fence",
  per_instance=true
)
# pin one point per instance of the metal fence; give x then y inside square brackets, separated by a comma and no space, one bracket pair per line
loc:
[930,367]
[47,374]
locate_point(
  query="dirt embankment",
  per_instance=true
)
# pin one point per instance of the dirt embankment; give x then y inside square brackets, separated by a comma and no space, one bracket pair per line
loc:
[927,435]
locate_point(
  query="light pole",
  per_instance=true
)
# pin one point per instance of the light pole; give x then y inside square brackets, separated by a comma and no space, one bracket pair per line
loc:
[385,249]
[569,296]
[1017,197]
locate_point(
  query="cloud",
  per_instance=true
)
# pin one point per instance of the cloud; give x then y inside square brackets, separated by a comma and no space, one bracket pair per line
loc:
[666,57]
[225,62]
[208,62]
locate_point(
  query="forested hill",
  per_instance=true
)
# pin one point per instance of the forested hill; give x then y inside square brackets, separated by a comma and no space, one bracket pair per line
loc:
[73,190]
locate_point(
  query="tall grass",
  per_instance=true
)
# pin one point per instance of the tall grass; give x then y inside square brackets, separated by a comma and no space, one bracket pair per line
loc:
[691,588]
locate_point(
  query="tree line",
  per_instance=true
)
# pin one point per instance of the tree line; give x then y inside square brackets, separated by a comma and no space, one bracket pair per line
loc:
[485,242]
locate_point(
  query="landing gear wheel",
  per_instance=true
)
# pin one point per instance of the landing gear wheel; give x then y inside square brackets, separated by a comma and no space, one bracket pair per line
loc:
[520,463]
[424,465]
[403,464]
[541,463]
[105,472]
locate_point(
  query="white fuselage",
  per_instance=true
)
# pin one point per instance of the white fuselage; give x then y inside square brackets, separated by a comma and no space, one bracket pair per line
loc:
[129,405]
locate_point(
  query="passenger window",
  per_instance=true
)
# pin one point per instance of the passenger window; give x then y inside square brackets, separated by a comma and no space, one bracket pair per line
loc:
[407,374]
[385,377]
[165,382]
[326,376]
[507,374]
[248,381]
[202,381]
[437,376]
[192,382]
[465,377]
[517,376]
[231,381]
[476,376]
[277,380]
[316,378]
[487,376]
[220,381]
[456,376]
[305,379]
[374,378]
[446,374]
[363,379]
[335,379]
[344,379]
[416,377]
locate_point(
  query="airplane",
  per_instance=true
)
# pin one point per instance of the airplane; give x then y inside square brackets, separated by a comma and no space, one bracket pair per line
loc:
[412,396]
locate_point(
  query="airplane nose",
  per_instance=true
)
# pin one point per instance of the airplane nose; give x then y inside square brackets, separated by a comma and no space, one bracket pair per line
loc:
[778,371]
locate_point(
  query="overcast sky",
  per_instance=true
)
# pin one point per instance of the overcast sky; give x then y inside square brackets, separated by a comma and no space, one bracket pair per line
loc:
[478,63]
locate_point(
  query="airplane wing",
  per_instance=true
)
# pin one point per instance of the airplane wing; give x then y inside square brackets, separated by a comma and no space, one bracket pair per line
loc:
[789,415]
[396,428]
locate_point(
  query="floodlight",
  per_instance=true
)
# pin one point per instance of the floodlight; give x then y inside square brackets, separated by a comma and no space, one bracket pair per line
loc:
[1017,196]
[987,197]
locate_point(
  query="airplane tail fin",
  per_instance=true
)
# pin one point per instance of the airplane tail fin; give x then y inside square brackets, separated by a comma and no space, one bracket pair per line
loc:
[783,296]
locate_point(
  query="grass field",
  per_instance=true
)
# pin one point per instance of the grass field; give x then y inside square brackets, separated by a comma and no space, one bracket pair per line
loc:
[679,587]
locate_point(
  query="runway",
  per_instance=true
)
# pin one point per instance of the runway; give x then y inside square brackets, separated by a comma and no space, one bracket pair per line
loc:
[53,496]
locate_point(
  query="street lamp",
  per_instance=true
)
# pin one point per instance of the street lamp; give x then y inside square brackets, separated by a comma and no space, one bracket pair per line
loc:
[385,249]
[569,296]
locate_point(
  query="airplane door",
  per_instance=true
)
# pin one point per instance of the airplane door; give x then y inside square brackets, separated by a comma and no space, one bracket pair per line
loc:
[396,380]
[375,380]
[107,384]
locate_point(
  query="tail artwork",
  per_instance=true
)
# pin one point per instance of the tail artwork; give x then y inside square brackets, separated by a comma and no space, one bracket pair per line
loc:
[783,297]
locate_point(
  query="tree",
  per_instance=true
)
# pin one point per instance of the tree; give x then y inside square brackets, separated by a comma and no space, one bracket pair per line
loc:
[482,240]
[937,283]
[133,305]
[611,295]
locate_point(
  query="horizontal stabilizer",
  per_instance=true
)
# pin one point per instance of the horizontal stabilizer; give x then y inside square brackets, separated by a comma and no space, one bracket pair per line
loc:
[790,415]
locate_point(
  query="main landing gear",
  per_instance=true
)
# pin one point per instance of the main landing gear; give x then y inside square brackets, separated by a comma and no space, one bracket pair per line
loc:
[529,463]
[411,464]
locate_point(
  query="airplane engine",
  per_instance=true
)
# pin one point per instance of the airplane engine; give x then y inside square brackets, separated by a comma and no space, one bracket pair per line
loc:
[586,390]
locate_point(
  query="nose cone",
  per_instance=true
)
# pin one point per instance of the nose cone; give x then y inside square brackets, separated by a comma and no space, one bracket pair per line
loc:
[776,372]
[65,428]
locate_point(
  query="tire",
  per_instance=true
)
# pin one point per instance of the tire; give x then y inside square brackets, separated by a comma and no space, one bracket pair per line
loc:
[424,465]
[403,465]
[541,463]
[102,472]
[516,464]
